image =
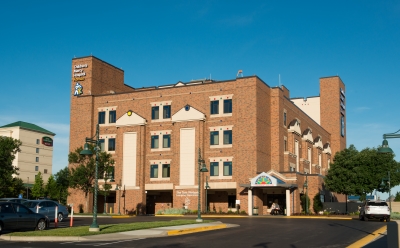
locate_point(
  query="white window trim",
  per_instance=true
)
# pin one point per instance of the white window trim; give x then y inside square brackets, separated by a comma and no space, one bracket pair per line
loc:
[221,130]
[221,161]
[160,163]
[161,110]
[105,137]
[221,105]
[160,134]
[107,117]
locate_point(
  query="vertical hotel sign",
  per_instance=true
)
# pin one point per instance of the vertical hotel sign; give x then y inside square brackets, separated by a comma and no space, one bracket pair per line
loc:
[79,75]
[342,111]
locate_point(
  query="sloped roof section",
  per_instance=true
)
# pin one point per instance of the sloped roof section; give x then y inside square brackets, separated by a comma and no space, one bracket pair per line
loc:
[29,126]
[130,118]
[188,113]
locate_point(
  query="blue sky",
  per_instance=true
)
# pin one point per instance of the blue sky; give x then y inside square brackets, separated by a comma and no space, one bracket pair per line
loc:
[163,42]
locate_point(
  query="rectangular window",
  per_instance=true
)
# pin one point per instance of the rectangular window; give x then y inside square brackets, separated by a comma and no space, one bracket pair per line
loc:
[227,168]
[37,150]
[154,113]
[102,144]
[167,112]
[165,170]
[154,171]
[37,159]
[112,117]
[37,141]
[45,171]
[227,106]
[166,141]
[214,107]
[154,141]
[214,138]
[309,154]
[102,117]
[214,169]
[227,137]
[285,145]
[111,144]
[36,168]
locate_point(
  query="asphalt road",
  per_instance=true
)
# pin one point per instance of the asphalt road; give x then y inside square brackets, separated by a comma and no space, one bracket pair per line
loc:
[252,232]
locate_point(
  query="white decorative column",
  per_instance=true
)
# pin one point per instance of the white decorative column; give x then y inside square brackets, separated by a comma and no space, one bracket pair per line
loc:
[250,201]
[288,202]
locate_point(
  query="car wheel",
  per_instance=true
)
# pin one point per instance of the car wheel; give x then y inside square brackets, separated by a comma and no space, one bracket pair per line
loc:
[41,225]
[60,217]
[388,219]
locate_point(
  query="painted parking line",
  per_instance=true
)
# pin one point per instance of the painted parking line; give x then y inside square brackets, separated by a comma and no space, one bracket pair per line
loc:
[369,238]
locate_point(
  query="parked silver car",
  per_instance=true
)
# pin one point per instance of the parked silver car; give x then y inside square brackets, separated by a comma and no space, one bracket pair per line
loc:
[15,216]
[48,208]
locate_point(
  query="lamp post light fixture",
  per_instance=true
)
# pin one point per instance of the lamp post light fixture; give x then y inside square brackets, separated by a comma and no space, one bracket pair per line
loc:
[306,189]
[94,227]
[202,168]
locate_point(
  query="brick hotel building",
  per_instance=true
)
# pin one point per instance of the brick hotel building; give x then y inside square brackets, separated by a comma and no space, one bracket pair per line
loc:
[259,145]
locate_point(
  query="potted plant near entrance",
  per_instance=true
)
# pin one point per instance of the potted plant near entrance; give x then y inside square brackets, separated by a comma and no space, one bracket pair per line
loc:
[255,210]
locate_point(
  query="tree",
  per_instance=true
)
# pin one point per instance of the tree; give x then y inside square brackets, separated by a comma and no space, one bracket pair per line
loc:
[360,173]
[83,174]
[303,200]
[51,189]
[397,197]
[37,189]
[62,180]
[17,187]
[8,148]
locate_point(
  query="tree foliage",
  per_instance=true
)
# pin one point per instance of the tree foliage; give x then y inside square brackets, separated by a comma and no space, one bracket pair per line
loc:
[83,174]
[397,197]
[305,200]
[360,173]
[51,189]
[38,189]
[8,148]
[317,204]
[62,180]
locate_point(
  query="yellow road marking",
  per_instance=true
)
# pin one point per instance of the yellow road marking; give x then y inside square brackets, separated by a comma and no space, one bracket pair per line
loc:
[362,242]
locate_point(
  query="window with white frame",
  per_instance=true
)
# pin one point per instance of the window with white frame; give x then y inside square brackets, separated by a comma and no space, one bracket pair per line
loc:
[160,140]
[160,111]
[221,168]
[108,142]
[296,152]
[160,170]
[285,148]
[221,105]
[107,115]
[309,154]
[221,137]
[329,163]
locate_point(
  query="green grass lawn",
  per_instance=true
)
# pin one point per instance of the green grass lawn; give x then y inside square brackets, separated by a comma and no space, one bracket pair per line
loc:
[111,228]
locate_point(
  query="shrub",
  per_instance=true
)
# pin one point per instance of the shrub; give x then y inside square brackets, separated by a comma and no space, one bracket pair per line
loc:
[317,204]
[303,203]
[243,212]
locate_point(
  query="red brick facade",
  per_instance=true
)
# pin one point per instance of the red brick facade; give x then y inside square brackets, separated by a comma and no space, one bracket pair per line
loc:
[259,138]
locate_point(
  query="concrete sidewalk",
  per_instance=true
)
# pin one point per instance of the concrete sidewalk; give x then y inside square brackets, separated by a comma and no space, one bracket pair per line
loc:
[144,233]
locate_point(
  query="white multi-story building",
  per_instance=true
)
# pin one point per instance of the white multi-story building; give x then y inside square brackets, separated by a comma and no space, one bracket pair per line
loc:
[36,150]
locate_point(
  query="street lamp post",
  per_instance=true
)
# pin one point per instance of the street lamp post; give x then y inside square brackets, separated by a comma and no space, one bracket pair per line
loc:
[94,227]
[202,168]
[306,188]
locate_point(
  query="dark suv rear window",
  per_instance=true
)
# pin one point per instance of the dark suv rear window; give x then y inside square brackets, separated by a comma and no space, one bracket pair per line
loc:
[377,204]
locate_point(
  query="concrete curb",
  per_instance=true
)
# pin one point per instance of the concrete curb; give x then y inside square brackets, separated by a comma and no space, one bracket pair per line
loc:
[194,230]
[368,239]
[318,217]
[203,216]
